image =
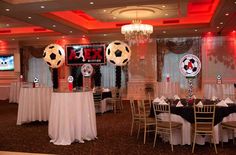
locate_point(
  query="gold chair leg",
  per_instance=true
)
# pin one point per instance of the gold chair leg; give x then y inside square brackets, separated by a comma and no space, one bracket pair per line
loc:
[194,139]
[214,140]
[155,138]
[138,130]
[144,137]
[132,126]
[171,144]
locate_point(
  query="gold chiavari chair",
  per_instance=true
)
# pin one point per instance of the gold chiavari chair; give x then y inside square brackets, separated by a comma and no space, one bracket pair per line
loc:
[204,122]
[165,126]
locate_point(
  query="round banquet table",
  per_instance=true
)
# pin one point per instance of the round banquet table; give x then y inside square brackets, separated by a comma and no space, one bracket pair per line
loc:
[72,117]
[34,104]
[185,115]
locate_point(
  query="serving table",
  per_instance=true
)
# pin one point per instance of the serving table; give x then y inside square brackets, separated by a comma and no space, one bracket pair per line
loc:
[72,117]
[34,104]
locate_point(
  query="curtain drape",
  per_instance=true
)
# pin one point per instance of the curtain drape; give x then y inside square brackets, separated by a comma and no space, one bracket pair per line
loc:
[38,68]
[169,53]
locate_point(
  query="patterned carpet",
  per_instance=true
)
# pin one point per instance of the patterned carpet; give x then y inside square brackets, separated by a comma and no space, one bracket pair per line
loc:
[113,137]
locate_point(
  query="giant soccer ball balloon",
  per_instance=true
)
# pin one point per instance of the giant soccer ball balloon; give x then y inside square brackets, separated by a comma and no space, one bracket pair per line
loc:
[54,55]
[118,53]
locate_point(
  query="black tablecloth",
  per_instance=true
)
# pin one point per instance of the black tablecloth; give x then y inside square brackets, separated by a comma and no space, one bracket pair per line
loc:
[187,112]
[106,95]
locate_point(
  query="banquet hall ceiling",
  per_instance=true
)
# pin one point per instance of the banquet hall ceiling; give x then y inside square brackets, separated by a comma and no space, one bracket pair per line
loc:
[25,19]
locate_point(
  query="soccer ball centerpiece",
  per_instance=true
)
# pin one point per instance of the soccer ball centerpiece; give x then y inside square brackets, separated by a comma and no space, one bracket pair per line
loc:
[87,70]
[190,65]
[118,53]
[54,55]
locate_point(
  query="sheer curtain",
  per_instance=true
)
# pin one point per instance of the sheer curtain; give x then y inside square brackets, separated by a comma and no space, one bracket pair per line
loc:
[38,68]
[171,67]
[108,78]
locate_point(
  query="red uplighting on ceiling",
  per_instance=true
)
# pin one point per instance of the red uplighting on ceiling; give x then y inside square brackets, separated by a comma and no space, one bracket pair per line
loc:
[23,30]
[199,12]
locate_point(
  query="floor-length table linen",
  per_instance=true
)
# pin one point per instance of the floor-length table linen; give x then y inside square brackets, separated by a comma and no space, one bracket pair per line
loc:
[186,131]
[72,118]
[15,90]
[34,104]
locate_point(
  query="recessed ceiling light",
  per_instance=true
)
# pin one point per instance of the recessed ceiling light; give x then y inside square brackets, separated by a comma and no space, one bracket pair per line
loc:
[7,9]
[163,31]
[166,14]
[12,39]
[104,35]
[235,2]
[53,25]
[195,30]
[163,6]
[37,38]
[227,14]
[91,3]
[114,17]
[71,31]
[29,17]
[221,23]
[217,27]
[42,6]
[7,24]
[104,10]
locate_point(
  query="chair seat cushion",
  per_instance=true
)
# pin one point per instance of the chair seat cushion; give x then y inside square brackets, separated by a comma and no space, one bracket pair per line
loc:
[231,124]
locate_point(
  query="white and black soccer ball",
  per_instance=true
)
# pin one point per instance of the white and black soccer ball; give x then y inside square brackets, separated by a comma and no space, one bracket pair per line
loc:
[54,55]
[87,70]
[36,80]
[190,65]
[118,53]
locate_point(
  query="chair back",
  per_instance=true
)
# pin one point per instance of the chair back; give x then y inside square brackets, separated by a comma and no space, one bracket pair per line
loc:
[143,109]
[97,97]
[134,108]
[160,108]
[204,116]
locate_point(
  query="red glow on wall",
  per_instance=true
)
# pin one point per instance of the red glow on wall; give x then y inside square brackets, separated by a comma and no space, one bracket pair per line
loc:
[3,45]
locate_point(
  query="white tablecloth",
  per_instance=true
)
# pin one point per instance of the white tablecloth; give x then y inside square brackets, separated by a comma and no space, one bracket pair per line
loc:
[4,93]
[186,131]
[34,104]
[15,90]
[72,118]
[168,89]
[221,91]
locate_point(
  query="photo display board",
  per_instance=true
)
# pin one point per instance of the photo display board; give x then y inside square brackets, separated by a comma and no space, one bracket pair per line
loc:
[85,54]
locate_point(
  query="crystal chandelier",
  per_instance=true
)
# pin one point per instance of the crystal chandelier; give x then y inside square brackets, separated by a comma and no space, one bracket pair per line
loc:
[137,32]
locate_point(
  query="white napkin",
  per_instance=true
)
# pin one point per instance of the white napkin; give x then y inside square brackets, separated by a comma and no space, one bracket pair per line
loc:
[105,90]
[163,103]
[179,104]
[214,98]
[176,97]
[163,98]
[228,100]
[222,104]
[157,100]
[199,104]
[194,97]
